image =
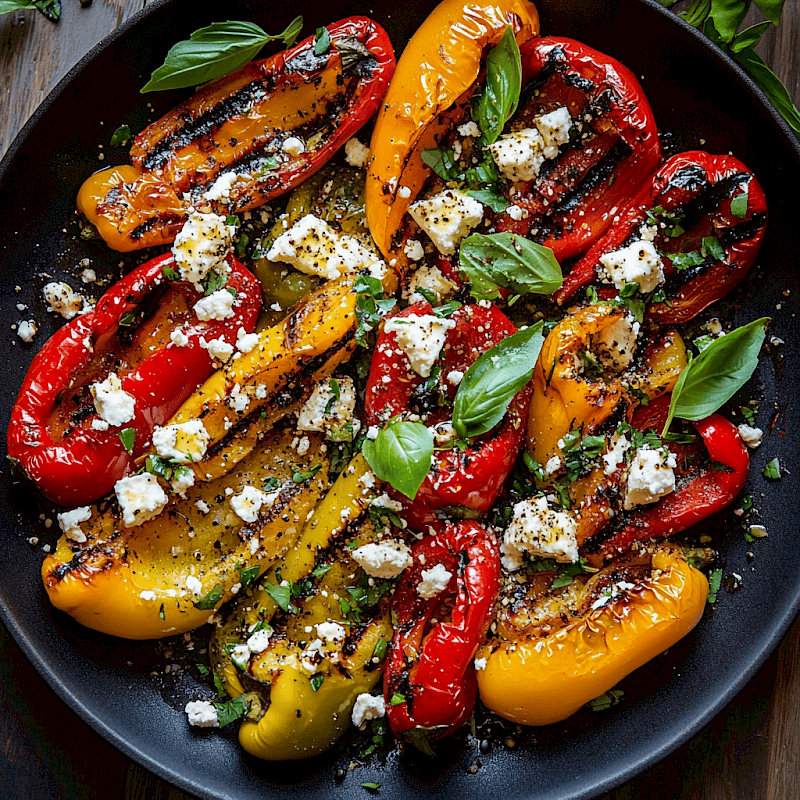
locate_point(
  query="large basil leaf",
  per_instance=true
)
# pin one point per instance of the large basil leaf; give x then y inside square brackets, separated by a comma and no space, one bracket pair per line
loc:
[401,455]
[727,16]
[214,51]
[507,260]
[499,100]
[489,385]
[710,380]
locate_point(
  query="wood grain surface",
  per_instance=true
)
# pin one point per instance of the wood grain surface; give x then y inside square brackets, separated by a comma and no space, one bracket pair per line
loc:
[751,751]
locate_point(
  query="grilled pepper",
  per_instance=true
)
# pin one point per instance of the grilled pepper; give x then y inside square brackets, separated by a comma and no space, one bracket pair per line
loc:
[167,575]
[430,684]
[709,476]
[434,79]
[268,126]
[557,649]
[461,482]
[55,434]
[710,215]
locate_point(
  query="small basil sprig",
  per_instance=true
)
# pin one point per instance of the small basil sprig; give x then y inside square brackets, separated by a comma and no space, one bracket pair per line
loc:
[489,385]
[509,261]
[710,380]
[499,100]
[401,455]
[214,51]
[50,8]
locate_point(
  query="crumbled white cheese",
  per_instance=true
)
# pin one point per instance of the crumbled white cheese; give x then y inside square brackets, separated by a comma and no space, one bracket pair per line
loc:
[519,155]
[250,501]
[553,465]
[367,707]
[217,306]
[313,416]
[194,585]
[88,275]
[313,247]
[469,129]
[221,188]
[331,631]
[414,250]
[202,506]
[293,146]
[240,655]
[147,594]
[434,581]
[182,479]
[537,529]
[638,262]
[70,523]
[238,400]
[516,212]
[202,244]
[99,425]
[650,477]
[612,593]
[372,432]
[432,280]
[27,329]
[245,342]
[182,442]
[554,128]
[384,501]
[480,663]
[385,559]
[751,436]
[111,402]
[404,192]
[140,498]
[455,376]
[447,218]
[202,714]
[615,457]
[443,433]
[217,348]
[179,338]
[615,344]
[259,641]
[355,153]
[421,338]
[61,297]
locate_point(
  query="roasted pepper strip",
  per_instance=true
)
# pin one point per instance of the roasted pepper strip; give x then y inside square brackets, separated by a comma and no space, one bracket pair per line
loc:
[464,481]
[241,125]
[689,199]
[128,332]
[577,195]
[429,685]
[438,69]
[701,491]
[146,582]
[544,666]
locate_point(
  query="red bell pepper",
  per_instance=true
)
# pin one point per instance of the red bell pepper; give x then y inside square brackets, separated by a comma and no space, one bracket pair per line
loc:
[577,195]
[50,434]
[703,487]
[463,482]
[429,683]
[691,196]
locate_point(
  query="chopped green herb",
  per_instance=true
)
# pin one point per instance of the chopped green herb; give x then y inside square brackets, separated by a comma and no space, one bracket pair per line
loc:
[126,320]
[320,570]
[773,470]
[316,681]
[280,594]
[231,710]
[170,274]
[373,786]
[161,614]
[370,306]
[611,698]
[322,41]
[713,247]
[397,699]
[739,205]
[214,281]
[714,582]
[128,438]
[210,599]
[379,651]
[301,476]
[219,685]
[248,575]
[122,136]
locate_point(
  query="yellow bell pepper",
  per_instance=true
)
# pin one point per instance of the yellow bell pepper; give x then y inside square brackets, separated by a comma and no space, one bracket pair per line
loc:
[437,70]
[147,581]
[557,653]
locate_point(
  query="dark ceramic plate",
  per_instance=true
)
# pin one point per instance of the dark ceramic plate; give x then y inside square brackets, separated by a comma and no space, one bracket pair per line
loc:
[701,98]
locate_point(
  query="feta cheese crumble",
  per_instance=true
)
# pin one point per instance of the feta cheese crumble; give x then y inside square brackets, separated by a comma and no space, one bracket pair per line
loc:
[245,342]
[27,329]
[217,306]
[111,402]
[356,154]
[140,498]
[61,298]
[367,707]
[331,631]
[751,436]
[432,280]
[313,416]
[202,244]
[638,262]
[385,559]
[202,714]
[179,338]
[221,188]
[70,523]
[421,338]
[519,155]
[447,218]
[249,502]
[615,344]
[414,250]
[650,477]
[480,663]
[258,642]
[183,442]
[434,581]
[217,348]
[537,529]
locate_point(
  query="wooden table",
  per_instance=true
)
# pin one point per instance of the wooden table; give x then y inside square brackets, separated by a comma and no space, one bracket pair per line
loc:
[750,752]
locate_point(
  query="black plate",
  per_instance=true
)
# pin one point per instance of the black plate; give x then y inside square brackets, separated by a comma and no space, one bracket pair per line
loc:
[699,96]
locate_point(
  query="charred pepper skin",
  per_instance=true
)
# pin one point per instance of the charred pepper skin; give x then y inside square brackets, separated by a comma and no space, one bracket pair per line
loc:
[430,661]
[576,200]
[83,464]
[228,126]
[698,188]
[467,480]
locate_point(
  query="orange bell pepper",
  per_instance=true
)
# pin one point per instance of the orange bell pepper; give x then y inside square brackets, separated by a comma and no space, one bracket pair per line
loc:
[438,69]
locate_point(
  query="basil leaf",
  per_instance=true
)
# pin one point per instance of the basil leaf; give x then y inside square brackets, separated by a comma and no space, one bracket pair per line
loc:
[773,470]
[7,6]
[697,13]
[280,594]
[317,681]
[214,51]
[739,204]
[170,274]
[209,599]
[397,699]
[489,385]
[322,41]
[772,86]
[232,710]
[713,247]
[248,575]
[499,100]
[714,582]
[710,380]
[685,260]
[749,37]
[727,16]
[495,201]
[128,438]
[121,136]
[401,455]
[509,261]
[442,161]
[50,8]
[771,9]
